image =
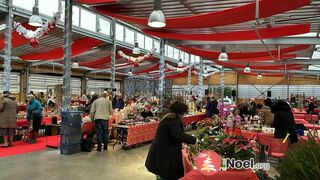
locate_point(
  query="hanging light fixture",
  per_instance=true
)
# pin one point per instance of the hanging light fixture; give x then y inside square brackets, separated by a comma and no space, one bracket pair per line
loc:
[35,19]
[75,64]
[136,49]
[205,70]
[157,18]
[259,76]
[180,64]
[247,69]
[223,56]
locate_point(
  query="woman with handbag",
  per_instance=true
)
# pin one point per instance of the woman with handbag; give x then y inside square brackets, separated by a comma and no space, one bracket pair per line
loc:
[34,116]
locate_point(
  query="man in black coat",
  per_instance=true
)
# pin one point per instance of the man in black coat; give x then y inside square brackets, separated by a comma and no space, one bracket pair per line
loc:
[165,156]
[283,121]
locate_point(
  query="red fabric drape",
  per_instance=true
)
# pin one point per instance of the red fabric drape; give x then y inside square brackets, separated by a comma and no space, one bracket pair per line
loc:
[152,68]
[266,33]
[176,75]
[239,55]
[78,46]
[96,1]
[265,67]
[218,18]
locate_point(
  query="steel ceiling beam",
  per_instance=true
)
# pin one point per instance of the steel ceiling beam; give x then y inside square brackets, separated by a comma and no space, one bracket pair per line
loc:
[278,41]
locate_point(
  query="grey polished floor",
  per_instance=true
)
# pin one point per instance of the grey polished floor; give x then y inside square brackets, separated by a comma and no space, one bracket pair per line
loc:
[50,165]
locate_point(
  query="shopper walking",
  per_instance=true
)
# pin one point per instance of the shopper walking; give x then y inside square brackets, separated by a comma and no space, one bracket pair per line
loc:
[100,112]
[119,103]
[8,118]
[34,114]
[165,156]
[265,112]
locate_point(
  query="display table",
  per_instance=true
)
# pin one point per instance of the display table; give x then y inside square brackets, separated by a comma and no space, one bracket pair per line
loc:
[193,118]
[130,135]
[24,122]
[297,111]
[312,126]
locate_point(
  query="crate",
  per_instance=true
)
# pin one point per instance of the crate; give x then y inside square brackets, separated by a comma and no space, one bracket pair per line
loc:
[69,128]
[67,139]
[70,149]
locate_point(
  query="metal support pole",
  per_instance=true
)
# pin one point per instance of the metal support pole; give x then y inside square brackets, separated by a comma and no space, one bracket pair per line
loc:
[7,48]
[113,53]
[189,74]
[257,12]
[200,80]
[66,95]
[222,83]
[161,67]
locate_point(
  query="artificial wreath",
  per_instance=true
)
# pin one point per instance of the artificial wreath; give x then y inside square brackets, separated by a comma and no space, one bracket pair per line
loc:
[137,60]
[33,36]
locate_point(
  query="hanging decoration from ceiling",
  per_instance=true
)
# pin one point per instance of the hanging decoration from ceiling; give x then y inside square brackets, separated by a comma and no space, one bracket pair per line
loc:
[204,74]
[225,17]
[137,60]
[177,69]
[266,33]
[33,36]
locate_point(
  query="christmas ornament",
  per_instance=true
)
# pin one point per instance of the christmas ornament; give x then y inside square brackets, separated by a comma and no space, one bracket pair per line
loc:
[137,60]
[33,36]
[208,162]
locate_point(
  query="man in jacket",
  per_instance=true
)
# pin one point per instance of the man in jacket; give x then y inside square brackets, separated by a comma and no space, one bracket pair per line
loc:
[100,112]
[265,112]
[8,118]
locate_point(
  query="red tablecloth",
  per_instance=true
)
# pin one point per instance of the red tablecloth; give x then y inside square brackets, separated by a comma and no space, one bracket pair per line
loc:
[141,133]
[193,118]
[24,122]
[79,101]
[300,121]
[222,175]
[305,138]
[312,126]
[295,111]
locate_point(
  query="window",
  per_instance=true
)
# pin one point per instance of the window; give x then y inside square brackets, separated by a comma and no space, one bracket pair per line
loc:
[48,7]
[14,82]
[105,26]
[25,4]
[98,86]
[119,32]
[170,51]
[166,50]
[88,20]
[176,53]
[129,36]
[140,40]
[148,43]
[75,14]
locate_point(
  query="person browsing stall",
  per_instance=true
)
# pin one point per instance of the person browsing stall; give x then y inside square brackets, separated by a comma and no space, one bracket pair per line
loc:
[8,118]
[165,157]
[100,112]
[34,114]
[146,112]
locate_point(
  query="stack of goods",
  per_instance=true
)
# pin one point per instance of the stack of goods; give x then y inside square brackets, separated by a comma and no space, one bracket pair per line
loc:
[70,132]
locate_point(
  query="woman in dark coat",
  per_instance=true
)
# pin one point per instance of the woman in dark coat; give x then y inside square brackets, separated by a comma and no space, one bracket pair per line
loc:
[165,156]
[283,121]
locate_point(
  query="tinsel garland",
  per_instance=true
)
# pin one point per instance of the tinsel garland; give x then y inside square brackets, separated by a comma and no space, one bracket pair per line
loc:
[137,60]
[177,69]
[33,36]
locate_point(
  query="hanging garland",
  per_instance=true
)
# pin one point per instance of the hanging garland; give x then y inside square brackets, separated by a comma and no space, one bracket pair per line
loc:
[205,75]
[137,60]
[33,36]
[177,69]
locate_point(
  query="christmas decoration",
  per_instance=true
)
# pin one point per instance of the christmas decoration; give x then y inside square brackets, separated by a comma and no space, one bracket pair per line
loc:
[33,36]
[137,60]
[208,162]
[177,69]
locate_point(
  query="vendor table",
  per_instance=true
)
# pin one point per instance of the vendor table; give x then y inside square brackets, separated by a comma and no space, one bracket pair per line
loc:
[312,126]
[297,111]
[24,122]
[135,134]
[193,118]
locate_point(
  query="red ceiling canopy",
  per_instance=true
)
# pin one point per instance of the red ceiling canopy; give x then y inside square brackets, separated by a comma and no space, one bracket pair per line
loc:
[235,15]
[78,46]
[91,2]
[266,33]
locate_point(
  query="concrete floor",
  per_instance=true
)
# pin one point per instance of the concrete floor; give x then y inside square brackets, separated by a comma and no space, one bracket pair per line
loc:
[114,164]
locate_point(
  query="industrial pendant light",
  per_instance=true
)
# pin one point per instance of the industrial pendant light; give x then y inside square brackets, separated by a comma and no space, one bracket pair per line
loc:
[130,72]
[75,64]
[157,18]
[136,49]
[35,19]
[247,69]
[180,64]
[223,56]
[205,70]
[259,76]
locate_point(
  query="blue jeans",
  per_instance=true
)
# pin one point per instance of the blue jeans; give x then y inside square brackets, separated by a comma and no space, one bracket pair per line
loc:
[101,131]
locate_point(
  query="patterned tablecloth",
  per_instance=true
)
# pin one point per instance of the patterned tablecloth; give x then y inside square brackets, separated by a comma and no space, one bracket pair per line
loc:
[139,133]
[193,118]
